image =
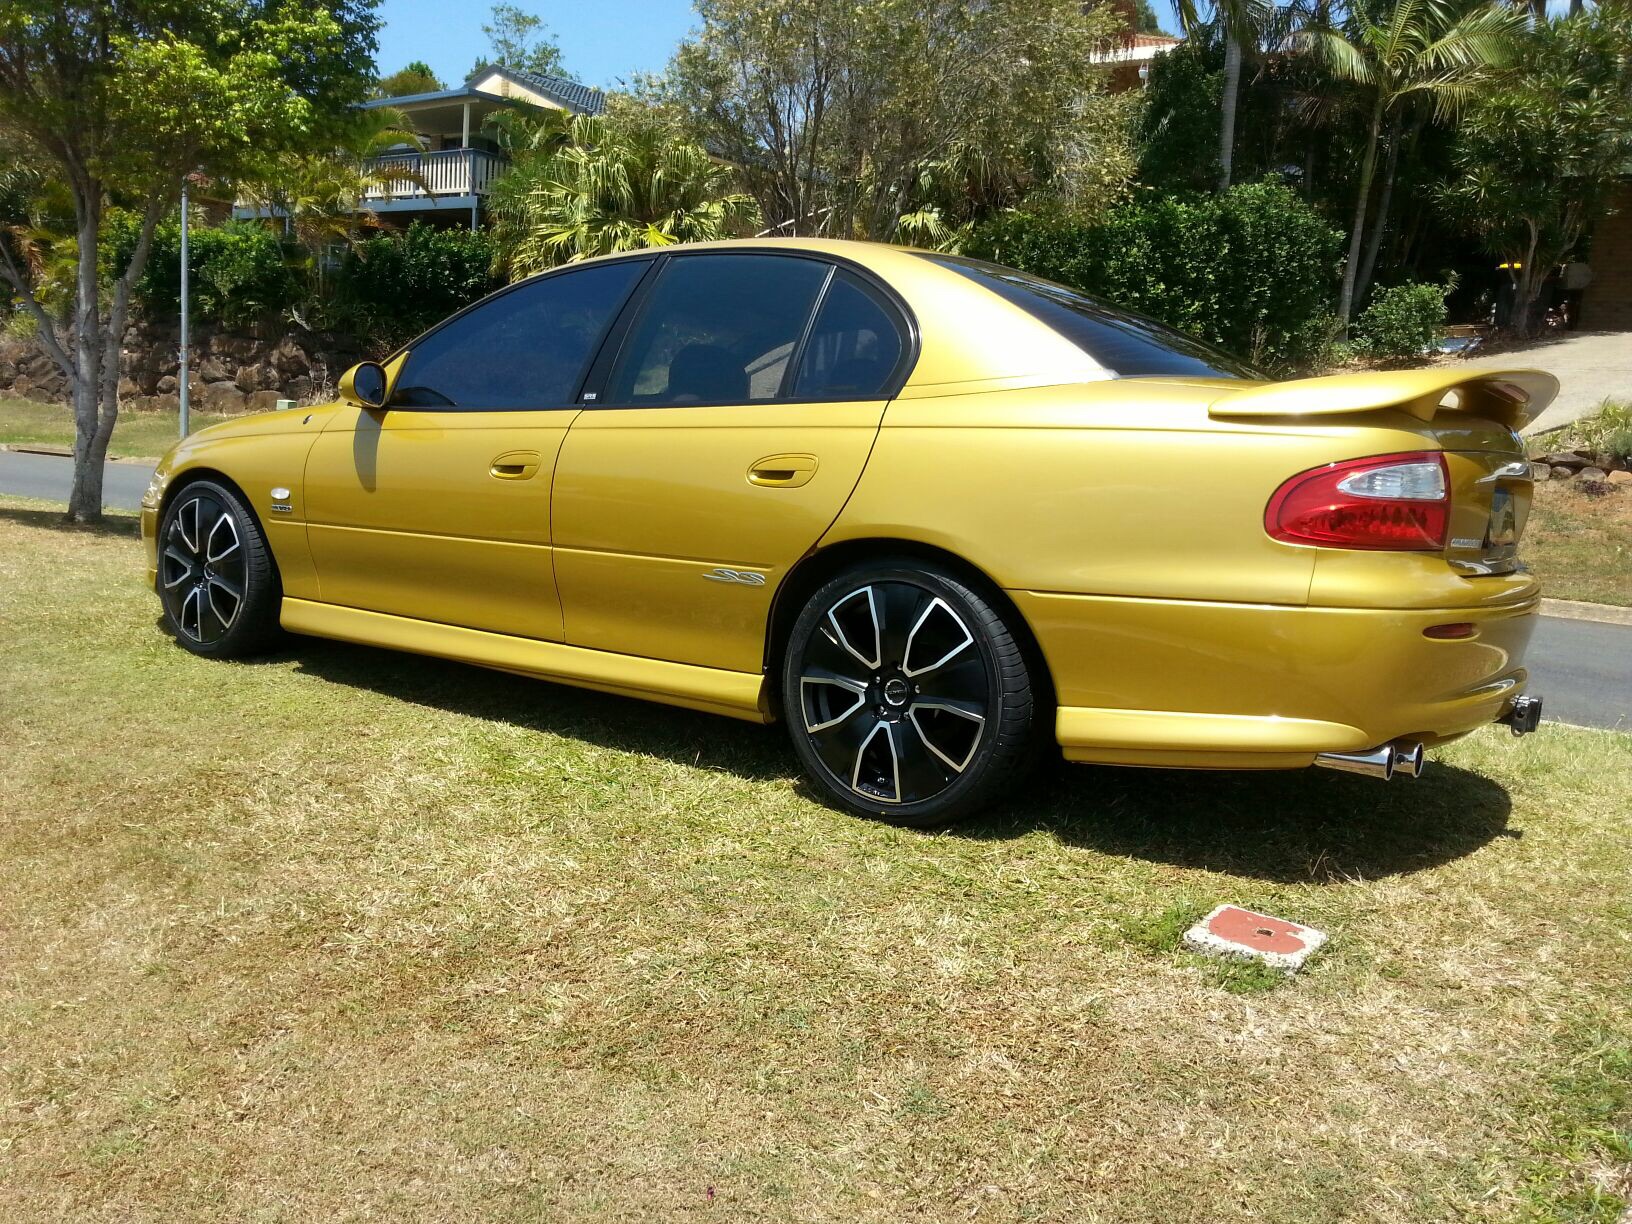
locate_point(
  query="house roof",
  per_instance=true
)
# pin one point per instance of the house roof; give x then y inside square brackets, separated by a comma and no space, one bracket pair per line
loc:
[1138,49]
[568,94]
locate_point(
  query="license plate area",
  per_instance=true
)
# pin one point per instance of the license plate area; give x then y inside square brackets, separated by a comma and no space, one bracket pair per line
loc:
[1502,533]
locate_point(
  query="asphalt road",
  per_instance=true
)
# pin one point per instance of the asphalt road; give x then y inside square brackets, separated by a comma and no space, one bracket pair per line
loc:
[1582,669]
[49,477]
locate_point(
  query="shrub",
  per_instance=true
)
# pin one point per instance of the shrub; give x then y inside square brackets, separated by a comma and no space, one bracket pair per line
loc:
[1402,320]
[239,271]
[1609,432]
[1253,270]
[392,287]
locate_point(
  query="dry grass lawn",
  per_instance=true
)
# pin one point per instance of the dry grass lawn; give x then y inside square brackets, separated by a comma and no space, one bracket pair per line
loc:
[348,935]
[139,435]
[1579,546]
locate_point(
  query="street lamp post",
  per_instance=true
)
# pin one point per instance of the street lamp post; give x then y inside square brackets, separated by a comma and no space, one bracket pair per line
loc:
[182,381]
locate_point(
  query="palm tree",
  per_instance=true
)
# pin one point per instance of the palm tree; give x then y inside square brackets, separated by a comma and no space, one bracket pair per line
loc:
[1429,49]
[616,183]
[1238,22]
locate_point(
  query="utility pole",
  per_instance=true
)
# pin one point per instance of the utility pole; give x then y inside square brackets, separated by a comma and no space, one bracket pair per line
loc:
[182,381]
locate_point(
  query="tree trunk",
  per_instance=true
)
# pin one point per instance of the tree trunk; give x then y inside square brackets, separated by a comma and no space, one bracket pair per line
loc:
[90,450]
[1351,266]
[1380,223]
[1232,94]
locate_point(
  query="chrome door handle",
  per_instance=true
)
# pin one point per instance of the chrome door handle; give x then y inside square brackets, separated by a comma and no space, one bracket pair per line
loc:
[782,471]
[514,465]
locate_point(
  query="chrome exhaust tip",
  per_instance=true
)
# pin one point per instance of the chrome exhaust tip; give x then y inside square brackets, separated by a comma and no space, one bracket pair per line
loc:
[1406,760]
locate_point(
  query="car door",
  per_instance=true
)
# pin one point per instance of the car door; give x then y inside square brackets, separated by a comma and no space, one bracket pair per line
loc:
[437,507]
[724,439]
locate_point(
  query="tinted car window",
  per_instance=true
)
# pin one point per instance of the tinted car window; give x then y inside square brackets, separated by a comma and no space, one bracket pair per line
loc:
[853,348]
[527,348]
[717,329]
[1129,345]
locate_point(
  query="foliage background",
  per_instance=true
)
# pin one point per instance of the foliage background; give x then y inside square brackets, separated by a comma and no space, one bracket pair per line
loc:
[1253,270]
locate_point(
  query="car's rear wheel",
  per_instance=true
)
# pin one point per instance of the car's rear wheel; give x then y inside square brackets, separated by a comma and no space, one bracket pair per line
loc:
[217,580]
[907,695]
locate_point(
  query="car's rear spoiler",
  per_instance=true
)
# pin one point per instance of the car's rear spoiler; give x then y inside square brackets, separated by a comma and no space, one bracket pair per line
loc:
[1510,397]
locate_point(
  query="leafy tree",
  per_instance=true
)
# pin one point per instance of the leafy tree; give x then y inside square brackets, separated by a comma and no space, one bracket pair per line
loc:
[416,78]
[1427,50]
[1238,22]
[391,287]
[843,118]
[613,182]
[519,40]
[1536,155]
[120,98]
[322,196]
[1145,20]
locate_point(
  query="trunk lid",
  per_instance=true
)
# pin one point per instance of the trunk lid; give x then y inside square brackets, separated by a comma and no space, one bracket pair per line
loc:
[1473,417]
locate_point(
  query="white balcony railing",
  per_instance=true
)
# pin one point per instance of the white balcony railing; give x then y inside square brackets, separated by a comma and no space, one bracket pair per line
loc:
[447,172]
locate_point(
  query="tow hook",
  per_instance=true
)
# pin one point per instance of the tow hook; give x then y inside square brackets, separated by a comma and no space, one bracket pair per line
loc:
[1523,716]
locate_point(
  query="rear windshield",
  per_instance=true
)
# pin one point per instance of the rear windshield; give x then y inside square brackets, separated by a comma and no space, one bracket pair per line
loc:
[1128,345]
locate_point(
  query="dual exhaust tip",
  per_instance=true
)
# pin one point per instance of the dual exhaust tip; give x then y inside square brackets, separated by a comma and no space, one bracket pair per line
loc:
[1522,716]
[1387,762]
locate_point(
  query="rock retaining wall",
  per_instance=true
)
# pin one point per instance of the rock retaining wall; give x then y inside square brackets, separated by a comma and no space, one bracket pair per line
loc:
[228,373]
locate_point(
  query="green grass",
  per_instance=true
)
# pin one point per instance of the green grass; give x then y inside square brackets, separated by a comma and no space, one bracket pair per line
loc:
[347,934]
[1579,546]
[142,435]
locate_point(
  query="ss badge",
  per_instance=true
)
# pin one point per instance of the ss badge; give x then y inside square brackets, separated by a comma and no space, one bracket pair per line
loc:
[741,577]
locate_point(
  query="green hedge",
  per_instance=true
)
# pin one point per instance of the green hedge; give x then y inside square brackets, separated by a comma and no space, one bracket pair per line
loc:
[385,290]
[240,271]
[1254,270]
[1402,320]
[391,288]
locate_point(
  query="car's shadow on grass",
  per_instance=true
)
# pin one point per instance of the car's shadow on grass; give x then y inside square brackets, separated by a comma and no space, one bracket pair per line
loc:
[1309,825]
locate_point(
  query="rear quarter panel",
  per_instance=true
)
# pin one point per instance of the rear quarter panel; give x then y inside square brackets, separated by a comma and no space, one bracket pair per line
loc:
[1121,488]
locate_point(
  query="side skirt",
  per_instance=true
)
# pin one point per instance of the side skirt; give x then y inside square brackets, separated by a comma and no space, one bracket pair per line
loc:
[711,690]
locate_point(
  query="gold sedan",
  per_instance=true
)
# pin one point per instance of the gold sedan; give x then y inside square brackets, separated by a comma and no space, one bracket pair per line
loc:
[924,510]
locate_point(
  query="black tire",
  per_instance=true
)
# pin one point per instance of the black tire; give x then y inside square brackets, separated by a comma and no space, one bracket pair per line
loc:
[909,723]
[217,580]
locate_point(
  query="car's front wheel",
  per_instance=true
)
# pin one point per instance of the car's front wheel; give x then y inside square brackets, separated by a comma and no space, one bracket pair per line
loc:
[217,579]
[907,695]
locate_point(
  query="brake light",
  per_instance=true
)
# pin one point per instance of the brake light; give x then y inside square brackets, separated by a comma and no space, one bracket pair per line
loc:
[1390,502]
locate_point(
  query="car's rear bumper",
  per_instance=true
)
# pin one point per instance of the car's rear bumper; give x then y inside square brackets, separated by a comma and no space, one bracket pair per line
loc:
[1257,686]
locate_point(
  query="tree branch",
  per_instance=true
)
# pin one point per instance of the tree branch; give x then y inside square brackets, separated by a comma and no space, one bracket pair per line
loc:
[48,329]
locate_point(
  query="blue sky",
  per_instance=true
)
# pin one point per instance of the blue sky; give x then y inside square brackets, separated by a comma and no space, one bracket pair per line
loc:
[603,41]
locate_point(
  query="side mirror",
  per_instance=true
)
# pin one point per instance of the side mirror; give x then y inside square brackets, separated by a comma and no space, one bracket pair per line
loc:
[364,384]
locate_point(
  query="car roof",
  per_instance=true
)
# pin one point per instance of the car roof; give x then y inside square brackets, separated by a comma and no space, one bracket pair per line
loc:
[968,337]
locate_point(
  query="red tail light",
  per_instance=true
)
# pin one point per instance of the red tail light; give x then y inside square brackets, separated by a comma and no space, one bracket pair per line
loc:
[1392,502]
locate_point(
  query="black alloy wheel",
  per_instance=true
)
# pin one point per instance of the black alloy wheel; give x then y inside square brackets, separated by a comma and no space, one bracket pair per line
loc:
[907,695]
[216,577]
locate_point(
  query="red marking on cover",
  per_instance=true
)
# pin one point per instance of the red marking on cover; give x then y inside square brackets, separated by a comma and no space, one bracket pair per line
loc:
[1258,931]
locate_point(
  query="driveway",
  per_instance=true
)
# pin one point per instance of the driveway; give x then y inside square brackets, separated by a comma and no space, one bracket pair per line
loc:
[1589,366]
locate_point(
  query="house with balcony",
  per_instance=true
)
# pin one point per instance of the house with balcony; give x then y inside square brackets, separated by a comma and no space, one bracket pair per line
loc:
[446,179]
